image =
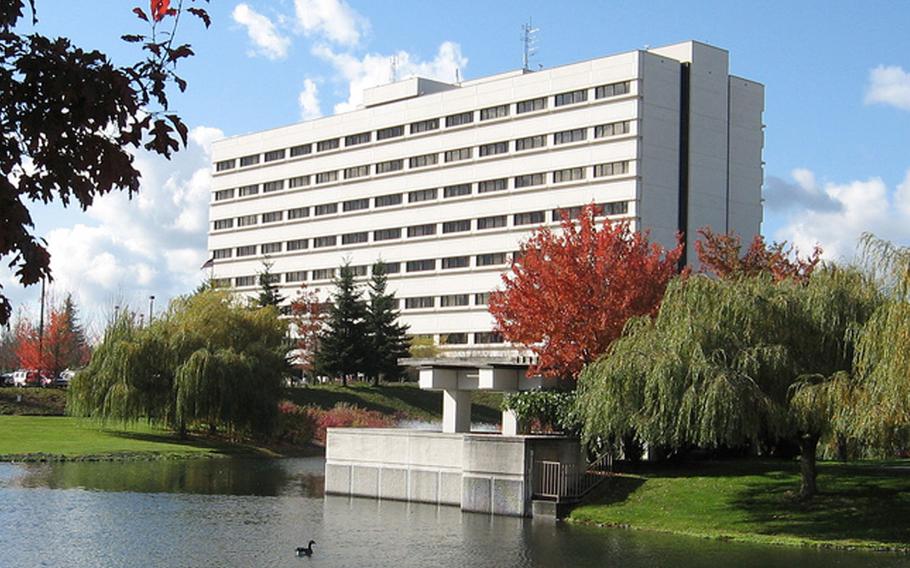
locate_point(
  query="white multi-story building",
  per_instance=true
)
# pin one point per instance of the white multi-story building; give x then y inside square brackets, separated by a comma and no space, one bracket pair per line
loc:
[443,181]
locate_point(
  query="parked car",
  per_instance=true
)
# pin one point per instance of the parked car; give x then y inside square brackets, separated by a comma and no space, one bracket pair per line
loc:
[6,380]
[27,378]
[63,379]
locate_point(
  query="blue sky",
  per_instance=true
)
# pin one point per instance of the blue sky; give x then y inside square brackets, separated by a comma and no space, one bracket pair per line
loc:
[837,78]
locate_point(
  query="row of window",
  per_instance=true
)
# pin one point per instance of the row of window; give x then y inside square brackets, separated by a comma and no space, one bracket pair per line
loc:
[422,195]
[490,113]
[426,160]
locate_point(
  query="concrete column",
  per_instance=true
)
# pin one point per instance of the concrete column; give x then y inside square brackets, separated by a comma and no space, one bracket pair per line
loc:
[456,411]
[512,425]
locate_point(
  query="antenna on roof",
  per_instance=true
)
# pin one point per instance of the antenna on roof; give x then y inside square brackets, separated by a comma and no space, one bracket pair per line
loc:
[393,67]
[529,43]
[457,76]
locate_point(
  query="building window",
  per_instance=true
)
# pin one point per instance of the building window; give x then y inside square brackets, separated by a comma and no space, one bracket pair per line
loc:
[529,180]
[569,174]
[224,194]
[325,209]
[221,282]
[570,98]
[418,303]
[460,154]
[421,265]
[247,220]
[221,254]
[224,165]
[487,337]
[322,242]
[456,262]
[271,248]
[567,136]
[248,190]
[244,281]
[355,238]
[326,145]
[275,155]
[296,276]
[611,169]
[612,90]
[422,195]
[612,129]
[298,244]
[492,185]
[390,166]
[531,105]
[298,213]
[529,218]
[251,160]
[423,161]
[391,132]
[356,204]
[494,148]
[323,273]
[326,177]
[491,222]
[359,271]
[224,224]
[301,150]
[356,172]
[456,190]
[386,234]
[456,226]
[530,142]
[490,113]
[355,139]
[272,216]
[615,208]
[422,230]
[271,186]
[248,250]
[459,338]
[569,212]
[481,299]
[491,259]
[460,118]
[298,181]
[454,300]
[387,200]
[391,267]
[424,125]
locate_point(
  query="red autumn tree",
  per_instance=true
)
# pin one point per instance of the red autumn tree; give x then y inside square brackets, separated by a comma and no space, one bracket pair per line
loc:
[308,315]
[63,345]
[570,292]
[722,255]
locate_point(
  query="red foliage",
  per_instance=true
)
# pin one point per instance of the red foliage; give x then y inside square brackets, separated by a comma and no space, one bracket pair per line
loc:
[571,292]
[308,315]
[60,349]
[160,9]
[310,422]
[722,256]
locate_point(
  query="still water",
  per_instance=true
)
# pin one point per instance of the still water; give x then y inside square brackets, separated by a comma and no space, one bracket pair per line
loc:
[232,512]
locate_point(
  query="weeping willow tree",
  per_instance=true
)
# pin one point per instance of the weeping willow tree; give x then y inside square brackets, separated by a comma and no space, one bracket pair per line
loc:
[882,411]
[731,362]
[208,361]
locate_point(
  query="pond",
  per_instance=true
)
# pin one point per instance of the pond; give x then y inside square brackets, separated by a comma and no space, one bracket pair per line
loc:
[236,512]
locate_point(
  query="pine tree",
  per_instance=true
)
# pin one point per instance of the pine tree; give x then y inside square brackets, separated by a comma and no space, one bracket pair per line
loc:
[268,291]
[386,336]
[343,347]
[76,351]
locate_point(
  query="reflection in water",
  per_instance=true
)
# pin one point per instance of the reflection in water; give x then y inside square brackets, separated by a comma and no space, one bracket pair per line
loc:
[255,512]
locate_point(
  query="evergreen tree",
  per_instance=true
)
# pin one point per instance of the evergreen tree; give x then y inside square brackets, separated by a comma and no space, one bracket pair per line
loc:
[268,291]
[386,336]
[76,351]
[343,347]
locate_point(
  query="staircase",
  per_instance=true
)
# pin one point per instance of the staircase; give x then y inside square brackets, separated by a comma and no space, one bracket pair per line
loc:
[558,487]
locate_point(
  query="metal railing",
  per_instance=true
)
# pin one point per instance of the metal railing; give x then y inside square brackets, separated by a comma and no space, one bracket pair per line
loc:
[566,481]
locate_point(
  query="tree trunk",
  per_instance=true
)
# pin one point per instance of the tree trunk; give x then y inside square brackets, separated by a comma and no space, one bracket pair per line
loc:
[843,449]
[344,380]
[376,380]
[181,431]
[808,445]
[631,449]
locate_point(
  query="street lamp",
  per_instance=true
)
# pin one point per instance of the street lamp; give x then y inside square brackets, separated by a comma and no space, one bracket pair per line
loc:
[151,307]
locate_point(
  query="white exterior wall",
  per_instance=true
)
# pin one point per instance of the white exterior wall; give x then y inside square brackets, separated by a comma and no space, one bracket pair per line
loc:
[651,187]
[747,102]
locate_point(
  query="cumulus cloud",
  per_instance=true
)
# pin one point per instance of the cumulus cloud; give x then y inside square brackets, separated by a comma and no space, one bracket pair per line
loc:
[889,85]
[262,32]
[375,69]
[334,20]
[308,99]
[802,193]
[862,206]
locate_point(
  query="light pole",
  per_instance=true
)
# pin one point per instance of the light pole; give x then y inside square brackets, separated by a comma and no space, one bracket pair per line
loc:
[151,307]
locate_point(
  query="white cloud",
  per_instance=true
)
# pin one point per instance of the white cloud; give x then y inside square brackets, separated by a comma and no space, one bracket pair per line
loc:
[782,195]
[862,206]
[375,69]
[262,32]
[308,99]
[334,20]
[889,85]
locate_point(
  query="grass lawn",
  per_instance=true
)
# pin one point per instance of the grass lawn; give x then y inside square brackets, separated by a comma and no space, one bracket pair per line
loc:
[864,504]
[56,436]
[390,398]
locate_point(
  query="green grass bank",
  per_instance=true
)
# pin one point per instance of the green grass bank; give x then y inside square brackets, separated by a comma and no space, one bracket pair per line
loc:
[861,505]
